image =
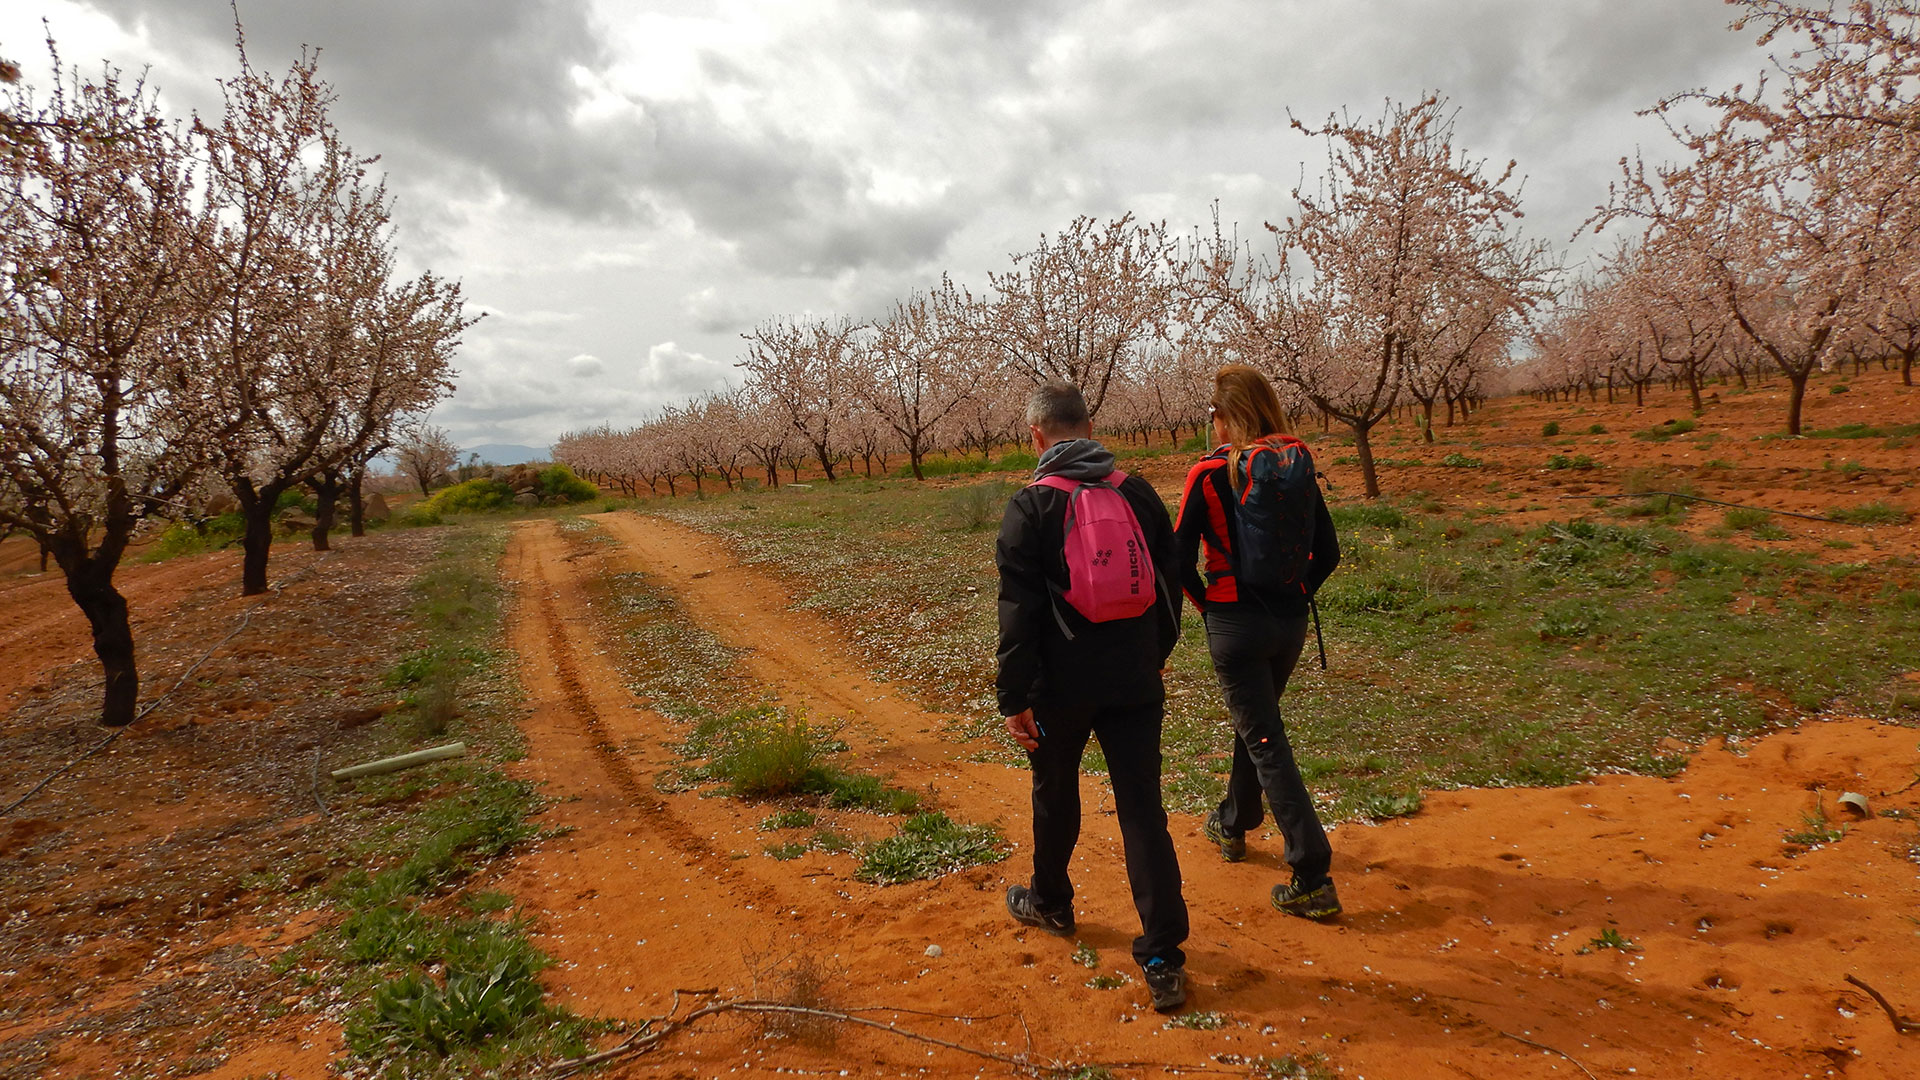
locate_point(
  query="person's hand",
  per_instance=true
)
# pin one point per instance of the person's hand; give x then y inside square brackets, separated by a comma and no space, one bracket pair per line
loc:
[1024,731]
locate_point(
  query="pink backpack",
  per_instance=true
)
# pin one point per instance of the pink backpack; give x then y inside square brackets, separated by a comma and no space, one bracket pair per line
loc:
[1109,569]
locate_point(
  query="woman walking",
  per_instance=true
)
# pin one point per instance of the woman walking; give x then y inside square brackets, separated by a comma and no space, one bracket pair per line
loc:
[1256,506]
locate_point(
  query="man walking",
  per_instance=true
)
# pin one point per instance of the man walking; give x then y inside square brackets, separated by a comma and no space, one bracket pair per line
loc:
[1087,620]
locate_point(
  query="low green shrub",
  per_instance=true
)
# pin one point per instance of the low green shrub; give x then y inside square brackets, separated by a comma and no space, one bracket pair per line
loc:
[1550,428]
[1745,517]
[1577,461]
[474,496]
[559,482]
[978,506]
[1458,460]
[210,534]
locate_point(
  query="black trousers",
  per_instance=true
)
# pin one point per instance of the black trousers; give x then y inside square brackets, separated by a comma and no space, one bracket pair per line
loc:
[1254,652]
[1130,738]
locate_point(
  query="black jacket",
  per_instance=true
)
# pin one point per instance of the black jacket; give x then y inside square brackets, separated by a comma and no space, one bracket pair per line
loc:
[1111,663]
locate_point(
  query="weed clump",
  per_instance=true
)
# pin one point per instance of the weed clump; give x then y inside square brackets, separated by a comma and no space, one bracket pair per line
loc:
[762,753]
[930,845]
[1664,431]
[1377,515]
[977,507]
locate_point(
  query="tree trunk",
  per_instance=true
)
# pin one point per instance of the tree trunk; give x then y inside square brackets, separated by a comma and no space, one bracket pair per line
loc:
[257,542]
[1906,365]
[90,583]
[326,494]
[1795,399]
[357,503]
[1363,442]
[1426,419]
[1693,387]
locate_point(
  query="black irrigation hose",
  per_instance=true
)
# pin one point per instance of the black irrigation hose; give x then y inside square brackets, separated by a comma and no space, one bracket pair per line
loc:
[1717,502]
[156,702]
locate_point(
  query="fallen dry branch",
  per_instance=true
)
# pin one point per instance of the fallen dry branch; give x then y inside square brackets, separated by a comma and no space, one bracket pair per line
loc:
[1901,1023]
[1552,1050]
[655,1030]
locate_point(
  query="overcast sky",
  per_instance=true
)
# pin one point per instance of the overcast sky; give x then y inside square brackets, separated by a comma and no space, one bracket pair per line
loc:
[626,187]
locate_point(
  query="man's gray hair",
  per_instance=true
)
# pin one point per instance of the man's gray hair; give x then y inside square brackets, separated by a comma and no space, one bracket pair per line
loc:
[1057,408]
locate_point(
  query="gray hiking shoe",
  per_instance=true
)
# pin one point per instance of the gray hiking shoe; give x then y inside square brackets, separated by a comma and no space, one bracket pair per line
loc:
[1021,905]
[1166,984]
[1232,848]
[1318,902]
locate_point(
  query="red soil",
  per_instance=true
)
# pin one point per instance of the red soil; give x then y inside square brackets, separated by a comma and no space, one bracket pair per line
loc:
[1461,952]
[1464,931]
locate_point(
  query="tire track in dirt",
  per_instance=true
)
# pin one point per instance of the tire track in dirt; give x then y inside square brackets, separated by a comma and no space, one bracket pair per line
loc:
[591,712]
[803,659]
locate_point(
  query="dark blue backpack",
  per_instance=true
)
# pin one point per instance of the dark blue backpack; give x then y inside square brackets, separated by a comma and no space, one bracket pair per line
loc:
[1274,518]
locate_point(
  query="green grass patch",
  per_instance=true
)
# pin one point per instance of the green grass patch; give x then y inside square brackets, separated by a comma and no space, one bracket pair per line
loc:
[930,845]
[789,819]
[1464,651]
[1576,461]
[1864,431]
[1666,430]
[440,982]
[1873,513]
[1550,428]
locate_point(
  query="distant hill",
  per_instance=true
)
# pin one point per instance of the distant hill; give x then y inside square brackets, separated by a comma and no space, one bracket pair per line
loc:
[505,453]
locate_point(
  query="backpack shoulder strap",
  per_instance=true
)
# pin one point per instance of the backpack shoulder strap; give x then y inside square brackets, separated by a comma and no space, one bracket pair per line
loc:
[1057,483]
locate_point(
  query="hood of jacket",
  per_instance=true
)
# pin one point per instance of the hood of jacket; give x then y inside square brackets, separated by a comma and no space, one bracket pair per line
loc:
[1075,459]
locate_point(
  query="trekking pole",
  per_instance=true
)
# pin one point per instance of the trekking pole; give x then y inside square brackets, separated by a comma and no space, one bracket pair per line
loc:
[1314,606]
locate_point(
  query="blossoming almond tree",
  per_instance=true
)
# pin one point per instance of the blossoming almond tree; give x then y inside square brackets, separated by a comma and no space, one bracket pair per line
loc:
[1076,307]
[922,365]
[100,404]
[1404,232]
[806,366]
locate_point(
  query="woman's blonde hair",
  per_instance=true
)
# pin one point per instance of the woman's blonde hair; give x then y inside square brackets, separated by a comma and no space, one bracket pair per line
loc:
[1249,407]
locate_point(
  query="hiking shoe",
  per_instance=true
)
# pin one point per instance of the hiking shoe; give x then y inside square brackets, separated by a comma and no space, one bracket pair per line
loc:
[1318,902]
[1021,905]
[1166,984]
[1232,848]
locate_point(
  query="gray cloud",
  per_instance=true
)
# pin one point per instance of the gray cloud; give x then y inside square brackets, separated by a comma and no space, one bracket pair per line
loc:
[635,184]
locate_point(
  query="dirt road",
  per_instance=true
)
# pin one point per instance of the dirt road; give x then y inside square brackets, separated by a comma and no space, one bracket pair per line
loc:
[1470,945]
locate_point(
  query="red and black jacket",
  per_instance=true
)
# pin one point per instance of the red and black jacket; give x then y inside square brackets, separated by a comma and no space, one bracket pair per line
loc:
[1207,520]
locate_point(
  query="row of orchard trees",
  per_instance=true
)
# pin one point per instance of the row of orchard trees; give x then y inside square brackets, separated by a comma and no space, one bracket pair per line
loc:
[1787,238]
[190,306]
[1402,280]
